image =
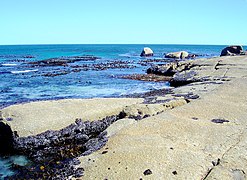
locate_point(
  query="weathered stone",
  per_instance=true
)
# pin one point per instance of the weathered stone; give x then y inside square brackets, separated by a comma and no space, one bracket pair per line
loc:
[53,151]
[183,78]
[219,121]
[63,61]
[147,172]
[169,69]
[147,52]
[232,51]
[148,77]
[195,144]
[177,55]
[165,70]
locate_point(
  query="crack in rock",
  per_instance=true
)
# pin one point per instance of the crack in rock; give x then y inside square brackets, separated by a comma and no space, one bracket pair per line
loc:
[236,173]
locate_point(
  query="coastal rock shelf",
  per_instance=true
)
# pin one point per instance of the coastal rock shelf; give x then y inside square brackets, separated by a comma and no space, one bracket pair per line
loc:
[63,61]
[194,130]
[55,152]
[188,141]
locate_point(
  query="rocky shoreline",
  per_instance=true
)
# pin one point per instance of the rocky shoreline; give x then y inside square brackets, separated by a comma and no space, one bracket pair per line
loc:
[193,81]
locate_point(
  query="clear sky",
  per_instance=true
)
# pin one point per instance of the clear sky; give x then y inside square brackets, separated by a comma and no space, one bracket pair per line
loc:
[127,21]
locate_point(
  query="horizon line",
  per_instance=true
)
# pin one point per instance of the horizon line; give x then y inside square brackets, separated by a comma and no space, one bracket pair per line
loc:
[117,44]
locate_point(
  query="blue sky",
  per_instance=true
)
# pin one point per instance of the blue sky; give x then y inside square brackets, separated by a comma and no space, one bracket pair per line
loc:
[129,21]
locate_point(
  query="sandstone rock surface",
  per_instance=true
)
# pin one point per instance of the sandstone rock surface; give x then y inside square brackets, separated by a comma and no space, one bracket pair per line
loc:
[37,117]
[184,143]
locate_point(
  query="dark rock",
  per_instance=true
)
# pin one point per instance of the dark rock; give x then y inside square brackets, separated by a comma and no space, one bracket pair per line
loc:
[181,79]
[216,163]
[54,152]
[29,57]
[63,61]
[85,67]
[104,152]
[9,119]
[219,121]
[232,51]
[187,95]
[148,77]
[56,73]
[79,172]
[146,116]
[170,69]
[6,139]
[157,92]
[147,172]
[149,62]
[174,172]
[165,70]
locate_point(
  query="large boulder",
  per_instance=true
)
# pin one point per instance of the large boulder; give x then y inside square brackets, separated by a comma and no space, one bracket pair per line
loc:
[177,55]
[170,69]
[147,52]
[232,51]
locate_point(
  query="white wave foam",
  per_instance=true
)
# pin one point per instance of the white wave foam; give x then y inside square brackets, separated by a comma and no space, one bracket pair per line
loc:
[128,55]
[9,64]
[25,71]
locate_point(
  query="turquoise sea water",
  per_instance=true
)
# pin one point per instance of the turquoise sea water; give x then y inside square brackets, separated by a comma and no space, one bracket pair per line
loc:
[22,83]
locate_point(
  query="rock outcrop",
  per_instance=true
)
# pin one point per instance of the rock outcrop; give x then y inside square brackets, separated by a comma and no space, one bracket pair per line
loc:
[54,152]
[205,139]
[62,61]
[183,78]
[177,55]
[169,69]
[232,51]
[6,139]
[147,52]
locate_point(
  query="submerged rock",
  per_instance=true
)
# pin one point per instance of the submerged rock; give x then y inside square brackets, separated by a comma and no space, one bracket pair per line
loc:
[147,52]
[63,61]
[147,77]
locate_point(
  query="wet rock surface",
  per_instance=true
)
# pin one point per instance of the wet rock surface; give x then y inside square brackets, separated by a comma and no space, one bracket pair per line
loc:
[148,77]
[181,79]
[158,92]
[147,172]
[149,62]
[6,139]
[63,61]
[54,153]
[219,121]
[232,51]
[118,64]
[170,69]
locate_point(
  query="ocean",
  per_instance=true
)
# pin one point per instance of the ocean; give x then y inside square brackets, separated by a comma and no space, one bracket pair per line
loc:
[23,80]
